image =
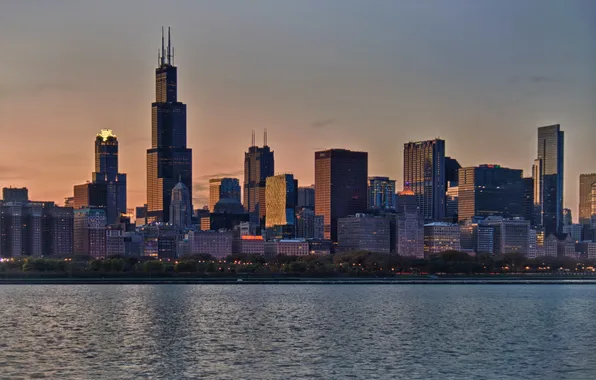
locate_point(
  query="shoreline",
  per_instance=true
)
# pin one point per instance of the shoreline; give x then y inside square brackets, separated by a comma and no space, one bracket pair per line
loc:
[298,281]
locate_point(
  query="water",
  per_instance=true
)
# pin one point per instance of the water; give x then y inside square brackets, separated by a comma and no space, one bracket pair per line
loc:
[298,332]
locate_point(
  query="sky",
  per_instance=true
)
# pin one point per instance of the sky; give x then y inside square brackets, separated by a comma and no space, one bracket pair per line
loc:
[365,75]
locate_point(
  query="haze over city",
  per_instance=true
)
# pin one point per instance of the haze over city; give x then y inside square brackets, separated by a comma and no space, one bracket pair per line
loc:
[361,75]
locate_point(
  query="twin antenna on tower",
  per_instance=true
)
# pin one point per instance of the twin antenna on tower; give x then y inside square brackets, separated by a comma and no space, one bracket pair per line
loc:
[164,59]
[253,142]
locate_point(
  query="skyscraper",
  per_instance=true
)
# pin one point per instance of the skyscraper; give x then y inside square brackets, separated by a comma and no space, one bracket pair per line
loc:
[259,164]
[223,188]
[585,197]
[528,199]
[490,190]
[180,208]
[306,197]
[15,194]
[381,193]
[340,186]
[281,197]
[424,173]
[169,161]
[106,172]
[548,179]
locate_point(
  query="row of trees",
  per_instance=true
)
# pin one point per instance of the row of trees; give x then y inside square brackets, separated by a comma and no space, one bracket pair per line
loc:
[357,263]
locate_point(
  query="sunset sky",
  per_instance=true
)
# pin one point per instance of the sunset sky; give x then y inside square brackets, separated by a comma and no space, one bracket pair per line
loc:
[359,74]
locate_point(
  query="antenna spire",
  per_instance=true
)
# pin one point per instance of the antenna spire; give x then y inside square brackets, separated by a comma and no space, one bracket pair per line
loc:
[163,50]
[265,138]
[252,141]
[169,49]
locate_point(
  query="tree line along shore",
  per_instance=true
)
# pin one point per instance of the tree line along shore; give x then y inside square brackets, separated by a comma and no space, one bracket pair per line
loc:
[351,264]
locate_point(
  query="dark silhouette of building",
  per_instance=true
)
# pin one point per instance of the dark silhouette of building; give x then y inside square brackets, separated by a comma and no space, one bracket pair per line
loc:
[15,194]
[259,163]
[306,197]
[221,188]
[424,173]
[106,172]
[548,179]
[451,171]
[35,229]
[92,195]
[528,199]
[169,161]
[490,190]
[341,178]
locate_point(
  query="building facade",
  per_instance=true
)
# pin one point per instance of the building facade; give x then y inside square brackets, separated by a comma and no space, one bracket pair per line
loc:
[510,235]
[280,199]
[440,237]
[340,187]
[259,164]
[381,193]
[363,232]
[35,229]
[223,188]
[490,190]
[90,232]
[180,206]
[306,197]
[106,173]
[548,179]
[586,181]
[169,160]
[424,173]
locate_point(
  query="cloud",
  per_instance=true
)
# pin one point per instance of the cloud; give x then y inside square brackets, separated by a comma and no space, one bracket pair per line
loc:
[198,187]
[323,123]
[536,79]
[220,175]
[31,90]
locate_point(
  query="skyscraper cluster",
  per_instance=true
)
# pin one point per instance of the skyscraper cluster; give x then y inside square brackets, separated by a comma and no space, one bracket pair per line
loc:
[442,205]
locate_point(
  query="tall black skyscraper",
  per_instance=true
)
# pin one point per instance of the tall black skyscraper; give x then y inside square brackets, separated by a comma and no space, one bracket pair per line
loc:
[341,179]
[548,179]
[106,173]
[169,160]
[259,164]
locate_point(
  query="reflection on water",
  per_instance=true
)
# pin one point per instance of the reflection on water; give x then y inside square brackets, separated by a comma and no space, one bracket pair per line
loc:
[298,332]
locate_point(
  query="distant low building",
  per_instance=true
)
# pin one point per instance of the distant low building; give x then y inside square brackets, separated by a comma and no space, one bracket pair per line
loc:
[586,250]
[440,237]
[364,232]
[288,247]
[217,244]
[249,245]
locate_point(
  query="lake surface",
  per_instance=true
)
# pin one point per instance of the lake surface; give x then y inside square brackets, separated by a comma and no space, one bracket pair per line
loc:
[298,332]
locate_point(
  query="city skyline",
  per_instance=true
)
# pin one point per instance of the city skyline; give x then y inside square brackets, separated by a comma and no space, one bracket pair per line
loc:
[528,96]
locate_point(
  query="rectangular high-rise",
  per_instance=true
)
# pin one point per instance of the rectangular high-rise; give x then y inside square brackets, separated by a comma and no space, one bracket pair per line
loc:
[280,199]
[585,197]
[424,174]
[548,179]
[223,188]
[259,163]
[381,193]
[340,186]
[490,190]
[169,161]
